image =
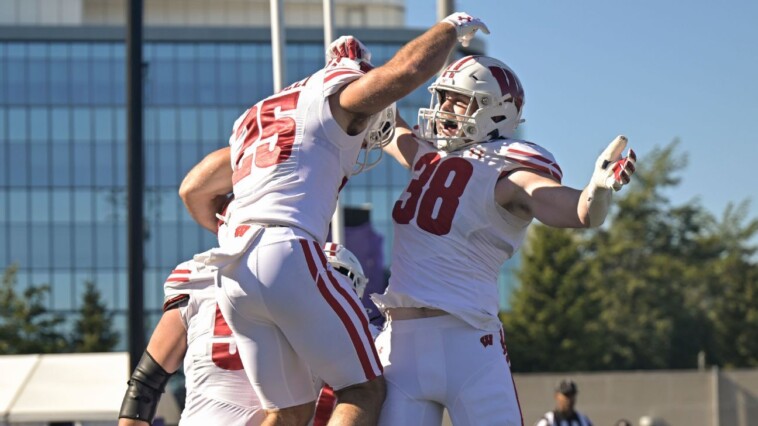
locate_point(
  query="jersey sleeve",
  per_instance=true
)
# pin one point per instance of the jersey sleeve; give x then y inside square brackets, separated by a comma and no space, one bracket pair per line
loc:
[186,279]
[339,73]
[527,155]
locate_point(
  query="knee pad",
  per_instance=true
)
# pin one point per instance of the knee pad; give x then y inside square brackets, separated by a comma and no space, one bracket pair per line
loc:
[146,385]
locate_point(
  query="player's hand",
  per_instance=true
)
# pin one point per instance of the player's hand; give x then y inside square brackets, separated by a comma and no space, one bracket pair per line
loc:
[466,26]
[611,170]
[348,47]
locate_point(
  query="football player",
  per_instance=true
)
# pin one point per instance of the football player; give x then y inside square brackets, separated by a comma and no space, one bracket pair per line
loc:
[290,154]
[473,192]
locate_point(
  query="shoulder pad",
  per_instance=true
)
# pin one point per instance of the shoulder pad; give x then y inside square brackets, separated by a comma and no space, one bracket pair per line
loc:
[521,154]
[338,73]
[186,278]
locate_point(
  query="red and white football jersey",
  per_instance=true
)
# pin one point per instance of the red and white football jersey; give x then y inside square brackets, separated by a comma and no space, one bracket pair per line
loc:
[290,157]
[451,237]
[218,391]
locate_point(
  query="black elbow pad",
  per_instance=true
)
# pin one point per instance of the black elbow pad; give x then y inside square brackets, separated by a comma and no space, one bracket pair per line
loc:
[146,385]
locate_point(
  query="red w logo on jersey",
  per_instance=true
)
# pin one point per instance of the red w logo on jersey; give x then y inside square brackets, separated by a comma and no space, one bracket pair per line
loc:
[486,340]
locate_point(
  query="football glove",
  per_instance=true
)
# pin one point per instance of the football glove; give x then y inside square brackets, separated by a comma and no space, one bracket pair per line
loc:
[466,26]
[611,170]
[348,47]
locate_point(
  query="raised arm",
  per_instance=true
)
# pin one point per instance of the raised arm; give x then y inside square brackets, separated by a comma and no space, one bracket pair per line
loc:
[411,66]
[206,187]
[404,145]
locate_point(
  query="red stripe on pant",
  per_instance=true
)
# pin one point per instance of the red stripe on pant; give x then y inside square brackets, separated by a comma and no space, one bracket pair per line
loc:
[324,406]
[368,370]
[359,312]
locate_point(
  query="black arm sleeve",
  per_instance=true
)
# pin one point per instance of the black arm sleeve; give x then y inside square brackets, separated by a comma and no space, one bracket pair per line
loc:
[146,385]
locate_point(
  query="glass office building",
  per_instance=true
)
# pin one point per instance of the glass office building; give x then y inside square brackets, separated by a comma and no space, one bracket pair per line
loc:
[63,148]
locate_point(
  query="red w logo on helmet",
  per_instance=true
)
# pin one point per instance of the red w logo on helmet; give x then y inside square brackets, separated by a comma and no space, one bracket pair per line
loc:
[509,85]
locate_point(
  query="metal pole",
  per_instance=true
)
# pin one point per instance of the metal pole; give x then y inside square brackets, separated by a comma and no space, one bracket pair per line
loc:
[328,23]
[278,42]
[338,222]
[135,180]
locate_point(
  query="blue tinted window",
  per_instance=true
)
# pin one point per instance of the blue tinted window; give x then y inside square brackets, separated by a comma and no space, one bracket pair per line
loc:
[37,77]
[62,202]
[210,127]
[80,81]
[17,81]
[84,256]
[102,81]
[40,245]
[19,245]
[83,206]
[4,240]
[62,290]
[104,125]
[39,207]
[82,124]
[18,166]
[166,125]
[59,81]
[61,167]
[18,126]
[104,169]
[82,164]
[167,170]
[40,153]
[104,249]
[39,121]
[60,124]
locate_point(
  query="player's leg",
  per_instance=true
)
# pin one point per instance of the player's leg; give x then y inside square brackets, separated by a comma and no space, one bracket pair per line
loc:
[317,310]
[482,389]
[414,369]
[359,404]
[279,376]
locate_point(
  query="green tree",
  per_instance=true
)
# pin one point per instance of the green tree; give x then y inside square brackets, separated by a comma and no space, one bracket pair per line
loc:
[26,326]
[652,288]
[93,330]
[547,325]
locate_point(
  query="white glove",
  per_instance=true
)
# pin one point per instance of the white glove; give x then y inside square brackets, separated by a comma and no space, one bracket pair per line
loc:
[348,47]
[611,170]
[466,26]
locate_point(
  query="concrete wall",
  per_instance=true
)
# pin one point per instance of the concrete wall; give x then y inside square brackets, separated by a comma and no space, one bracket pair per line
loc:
[669,398]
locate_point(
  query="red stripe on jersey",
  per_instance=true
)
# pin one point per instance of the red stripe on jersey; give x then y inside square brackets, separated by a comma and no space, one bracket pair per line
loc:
[359,312]
[338,73]
[173,279]
[538,157]
[543,169]
[352,331]
[171,303]
[181,271]
[324,406]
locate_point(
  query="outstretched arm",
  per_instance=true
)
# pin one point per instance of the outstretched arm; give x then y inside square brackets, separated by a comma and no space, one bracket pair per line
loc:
[530,194]
[404,144]
[206,186]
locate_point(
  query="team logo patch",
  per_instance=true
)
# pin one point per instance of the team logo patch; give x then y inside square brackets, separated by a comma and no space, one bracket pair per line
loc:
[486,340]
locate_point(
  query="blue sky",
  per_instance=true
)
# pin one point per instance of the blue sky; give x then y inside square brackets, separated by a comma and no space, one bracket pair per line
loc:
[652,70]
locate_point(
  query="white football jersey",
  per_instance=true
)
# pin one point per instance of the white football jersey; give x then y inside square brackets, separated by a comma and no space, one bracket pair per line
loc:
[451,237]
[291,158]
[218,391]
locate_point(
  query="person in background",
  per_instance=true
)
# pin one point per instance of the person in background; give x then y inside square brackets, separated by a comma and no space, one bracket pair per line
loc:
[564,413]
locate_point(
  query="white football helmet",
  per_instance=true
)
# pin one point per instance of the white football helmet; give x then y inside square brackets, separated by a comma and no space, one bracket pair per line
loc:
[345,262]
[494,109]
[381,129]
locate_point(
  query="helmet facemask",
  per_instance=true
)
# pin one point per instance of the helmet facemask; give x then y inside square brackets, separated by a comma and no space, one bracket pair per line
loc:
[494,108]
[380,131]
